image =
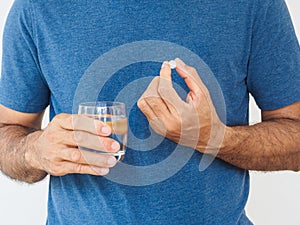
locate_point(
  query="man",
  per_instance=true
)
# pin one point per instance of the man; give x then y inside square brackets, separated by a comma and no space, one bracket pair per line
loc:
[250,46]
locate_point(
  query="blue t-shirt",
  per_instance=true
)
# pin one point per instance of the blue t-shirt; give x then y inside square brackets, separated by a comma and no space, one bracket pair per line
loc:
[60,53]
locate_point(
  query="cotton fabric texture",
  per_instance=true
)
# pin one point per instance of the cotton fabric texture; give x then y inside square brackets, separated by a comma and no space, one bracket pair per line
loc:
[250,46]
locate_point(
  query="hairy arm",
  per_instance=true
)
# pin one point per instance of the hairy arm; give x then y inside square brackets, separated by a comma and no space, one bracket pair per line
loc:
[273,144]
[28,154]
[14,130]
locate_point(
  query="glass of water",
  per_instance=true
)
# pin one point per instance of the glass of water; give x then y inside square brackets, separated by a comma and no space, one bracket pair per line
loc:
[114,115]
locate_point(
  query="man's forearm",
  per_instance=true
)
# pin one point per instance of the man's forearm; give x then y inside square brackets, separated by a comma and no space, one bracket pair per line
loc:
[13,145]
[268,146]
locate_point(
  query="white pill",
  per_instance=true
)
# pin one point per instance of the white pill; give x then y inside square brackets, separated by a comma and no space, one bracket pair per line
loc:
[172,64]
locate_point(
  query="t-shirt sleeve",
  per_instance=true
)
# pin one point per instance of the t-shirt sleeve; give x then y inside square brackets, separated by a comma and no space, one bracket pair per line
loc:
[274,64]
[22,85]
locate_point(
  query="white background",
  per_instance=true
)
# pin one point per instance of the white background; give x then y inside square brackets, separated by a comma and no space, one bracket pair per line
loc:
[274,197]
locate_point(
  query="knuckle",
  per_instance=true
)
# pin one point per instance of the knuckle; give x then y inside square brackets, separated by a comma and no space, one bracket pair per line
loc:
[63,115]
[55,136]
[156,79]
[73,137]
[174,127]
[60,116]
[105,144]
[55,169]
[141,103]
[78,168]
[51,137]
[76,137]
[162,89]
[150,101]
[52,155]
[76,156]
[99,162]
[94,142]
[192,70]
[76,120]
[204,95]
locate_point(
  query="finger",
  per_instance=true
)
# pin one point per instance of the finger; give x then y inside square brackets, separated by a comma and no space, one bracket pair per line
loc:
[82,123]
[165,71]
[155,122]
[89,158]
[153,100]
[166,90]
[71,168]
[158,106]
[187,71]
[146,109]
[91,141]
[151,90]
[192,79]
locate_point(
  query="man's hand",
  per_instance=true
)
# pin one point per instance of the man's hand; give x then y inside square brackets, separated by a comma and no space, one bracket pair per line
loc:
[55,151]
[194,122]
[268,146]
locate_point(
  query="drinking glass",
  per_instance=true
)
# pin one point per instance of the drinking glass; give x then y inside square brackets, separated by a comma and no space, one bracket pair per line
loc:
[114,115]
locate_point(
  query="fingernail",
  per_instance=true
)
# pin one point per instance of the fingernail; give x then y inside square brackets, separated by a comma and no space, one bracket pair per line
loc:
[76,156]
[111,161]
[181,65]
[105,130]
[165,64]
[179,62]
[115,146]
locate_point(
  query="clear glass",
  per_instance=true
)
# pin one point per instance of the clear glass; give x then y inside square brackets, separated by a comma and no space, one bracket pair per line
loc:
[114,115]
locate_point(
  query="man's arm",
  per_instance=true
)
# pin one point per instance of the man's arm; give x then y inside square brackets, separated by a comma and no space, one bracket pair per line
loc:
[14,129]
[28,154]
[273,144]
